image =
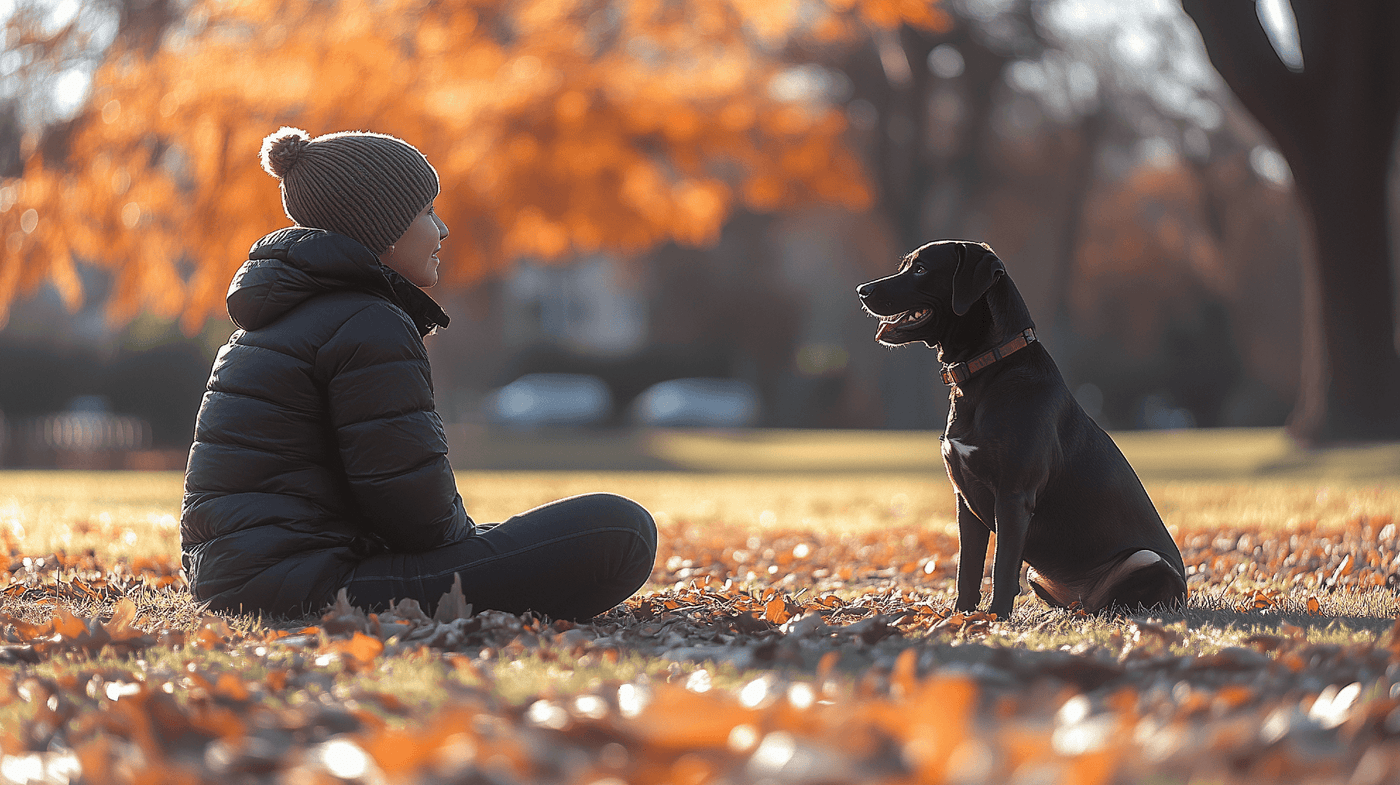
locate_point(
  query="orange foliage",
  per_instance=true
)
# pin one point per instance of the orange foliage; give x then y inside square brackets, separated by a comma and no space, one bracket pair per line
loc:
[558,127]
[1153,215]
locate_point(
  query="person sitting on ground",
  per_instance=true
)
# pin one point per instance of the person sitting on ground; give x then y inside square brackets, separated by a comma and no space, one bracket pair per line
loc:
[319,461]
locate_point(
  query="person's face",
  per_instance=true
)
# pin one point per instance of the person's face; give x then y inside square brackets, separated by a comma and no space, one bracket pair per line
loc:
[414,255]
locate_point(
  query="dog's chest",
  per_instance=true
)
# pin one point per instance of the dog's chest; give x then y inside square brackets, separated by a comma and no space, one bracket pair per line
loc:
[957,449]
[960,456]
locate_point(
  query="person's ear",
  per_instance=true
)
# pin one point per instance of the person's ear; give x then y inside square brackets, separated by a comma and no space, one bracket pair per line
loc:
[978,268]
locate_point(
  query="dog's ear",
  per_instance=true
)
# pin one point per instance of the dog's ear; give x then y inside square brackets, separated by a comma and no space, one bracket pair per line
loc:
[978,268]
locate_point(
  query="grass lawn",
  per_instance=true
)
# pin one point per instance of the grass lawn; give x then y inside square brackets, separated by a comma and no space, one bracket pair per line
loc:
[797,628]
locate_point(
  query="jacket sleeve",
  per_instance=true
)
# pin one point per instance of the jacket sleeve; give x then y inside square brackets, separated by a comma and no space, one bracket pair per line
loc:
[390,438]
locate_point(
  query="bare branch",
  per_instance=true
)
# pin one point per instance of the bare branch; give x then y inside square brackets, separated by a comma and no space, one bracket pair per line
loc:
[1240,50]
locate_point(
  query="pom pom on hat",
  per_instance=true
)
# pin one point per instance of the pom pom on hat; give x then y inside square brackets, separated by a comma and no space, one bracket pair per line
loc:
[282,150]
[366,186]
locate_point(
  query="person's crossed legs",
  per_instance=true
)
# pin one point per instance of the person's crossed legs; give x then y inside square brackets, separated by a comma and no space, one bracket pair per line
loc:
[570,559]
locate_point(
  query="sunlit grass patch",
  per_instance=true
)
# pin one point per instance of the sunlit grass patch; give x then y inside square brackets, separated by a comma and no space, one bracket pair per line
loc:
[1276,505]
[136,514]
[121,514]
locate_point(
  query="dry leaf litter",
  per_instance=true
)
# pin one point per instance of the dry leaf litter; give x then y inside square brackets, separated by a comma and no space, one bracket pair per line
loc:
[792,658]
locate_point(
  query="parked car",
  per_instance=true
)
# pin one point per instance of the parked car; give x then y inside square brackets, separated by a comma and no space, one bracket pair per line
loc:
[704,402]
[88,435]
[537,399]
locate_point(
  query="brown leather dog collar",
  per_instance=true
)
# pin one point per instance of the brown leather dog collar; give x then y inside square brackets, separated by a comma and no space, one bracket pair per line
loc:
[957,373]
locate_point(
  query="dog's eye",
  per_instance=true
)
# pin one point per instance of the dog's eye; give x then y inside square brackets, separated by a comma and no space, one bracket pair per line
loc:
[918,269]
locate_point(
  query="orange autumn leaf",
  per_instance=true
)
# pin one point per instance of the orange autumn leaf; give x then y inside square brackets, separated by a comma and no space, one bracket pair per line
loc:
[1234,695]
[1259,601]
[119,627]
[953,622]
[276,680]
[463,664]
[935,722]
[29,631]
[359,651]
[399,752]
[213,632]
[677,718]
[776,610]
[1095,768]
[218,721]
[230,686]
[905,676]
[66,624]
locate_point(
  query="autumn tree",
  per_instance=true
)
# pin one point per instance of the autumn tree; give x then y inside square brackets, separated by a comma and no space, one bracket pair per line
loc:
[558,127]
[1333,115]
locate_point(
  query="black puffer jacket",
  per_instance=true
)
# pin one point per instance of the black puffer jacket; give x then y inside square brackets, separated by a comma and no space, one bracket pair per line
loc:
[317,443]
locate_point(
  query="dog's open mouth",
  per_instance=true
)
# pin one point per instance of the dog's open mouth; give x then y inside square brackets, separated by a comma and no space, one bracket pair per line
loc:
[902,321]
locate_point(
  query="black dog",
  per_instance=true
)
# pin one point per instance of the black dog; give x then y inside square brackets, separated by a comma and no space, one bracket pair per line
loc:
[1024,458]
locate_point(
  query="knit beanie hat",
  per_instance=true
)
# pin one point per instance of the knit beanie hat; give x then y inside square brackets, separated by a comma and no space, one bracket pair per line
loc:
[366,186]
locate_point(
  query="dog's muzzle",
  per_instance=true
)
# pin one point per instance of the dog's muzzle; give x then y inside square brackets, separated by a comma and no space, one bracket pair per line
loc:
[904,321]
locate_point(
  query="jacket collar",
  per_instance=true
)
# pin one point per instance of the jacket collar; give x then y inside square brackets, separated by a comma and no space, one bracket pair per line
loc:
[290,266]
[425,312]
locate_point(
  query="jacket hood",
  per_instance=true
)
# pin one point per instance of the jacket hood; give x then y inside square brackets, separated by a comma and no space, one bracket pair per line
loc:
[290,266]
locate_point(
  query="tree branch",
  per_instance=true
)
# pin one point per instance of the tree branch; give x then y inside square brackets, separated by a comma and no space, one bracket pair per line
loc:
[1240,50]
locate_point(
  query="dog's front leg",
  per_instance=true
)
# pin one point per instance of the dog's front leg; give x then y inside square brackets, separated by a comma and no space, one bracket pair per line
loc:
[1013,513]
[972,557]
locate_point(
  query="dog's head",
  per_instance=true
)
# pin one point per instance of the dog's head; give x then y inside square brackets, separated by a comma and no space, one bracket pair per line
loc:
[935,286]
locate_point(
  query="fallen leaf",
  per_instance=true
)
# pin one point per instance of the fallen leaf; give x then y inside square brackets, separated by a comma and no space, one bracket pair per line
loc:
[775,611]
[359,651]
[453,605]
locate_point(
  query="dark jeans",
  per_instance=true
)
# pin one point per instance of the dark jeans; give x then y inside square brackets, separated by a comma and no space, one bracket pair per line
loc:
[570,559]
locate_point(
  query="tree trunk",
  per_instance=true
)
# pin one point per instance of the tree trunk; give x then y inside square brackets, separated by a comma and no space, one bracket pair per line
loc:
[1349,388]
[1081,185]
[901,98]
[1335,124]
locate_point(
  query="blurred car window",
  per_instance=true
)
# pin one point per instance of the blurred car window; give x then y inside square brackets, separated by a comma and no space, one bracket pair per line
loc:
[537,399]
[697,402]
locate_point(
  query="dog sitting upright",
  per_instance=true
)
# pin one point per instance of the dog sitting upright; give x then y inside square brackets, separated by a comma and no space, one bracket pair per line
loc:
[1024,458]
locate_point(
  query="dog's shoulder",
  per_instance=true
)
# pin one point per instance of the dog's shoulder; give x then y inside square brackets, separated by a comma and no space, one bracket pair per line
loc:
[1021,395]
[1026,411]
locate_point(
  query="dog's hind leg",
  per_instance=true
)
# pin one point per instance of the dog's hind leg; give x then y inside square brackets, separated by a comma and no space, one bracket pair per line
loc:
[1143,580]
[1054,594]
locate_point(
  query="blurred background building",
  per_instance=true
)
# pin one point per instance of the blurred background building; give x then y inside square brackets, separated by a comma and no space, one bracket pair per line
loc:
[1144,216]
